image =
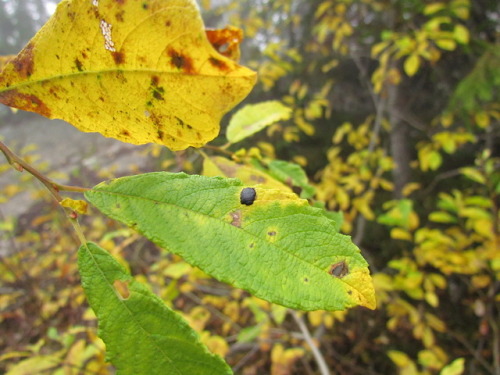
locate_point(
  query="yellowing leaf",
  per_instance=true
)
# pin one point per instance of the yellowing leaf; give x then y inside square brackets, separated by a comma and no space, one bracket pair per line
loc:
[219,166]
[140,72]
[461,34]
[243,235]
[255,117]
[400,234]
[4,60]
[454,368]
[411,65]
[482,120]
[78,206]
[434,8]
[446,44]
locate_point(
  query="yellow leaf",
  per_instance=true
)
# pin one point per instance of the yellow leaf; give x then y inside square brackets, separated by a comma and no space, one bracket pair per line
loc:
[432,299]
[4,60]
[411,65]
[410,188]
[78,206]
[454,368]
[433,8]
[481,281]
[400,234]
[446,44]
[140,72]
[461,34]
[482,120]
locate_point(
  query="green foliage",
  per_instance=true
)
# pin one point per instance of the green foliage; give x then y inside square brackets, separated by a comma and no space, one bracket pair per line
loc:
[179,212]
[142,335]
[254,117]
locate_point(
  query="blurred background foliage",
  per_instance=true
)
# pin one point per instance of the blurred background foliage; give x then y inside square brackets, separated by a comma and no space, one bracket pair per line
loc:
[395,116]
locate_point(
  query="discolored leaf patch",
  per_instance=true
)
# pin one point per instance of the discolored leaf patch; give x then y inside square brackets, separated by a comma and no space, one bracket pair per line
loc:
[137,71]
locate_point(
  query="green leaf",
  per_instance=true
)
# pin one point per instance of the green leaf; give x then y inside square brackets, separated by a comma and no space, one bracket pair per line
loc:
[292,175]
[442,217]
[454,368]
[433,8]
[473,174]
[278,247]
[142,335]
[252,118]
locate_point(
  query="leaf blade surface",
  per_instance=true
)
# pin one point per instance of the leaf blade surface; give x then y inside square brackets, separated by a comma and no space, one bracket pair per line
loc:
[137,71]
[278,248]
[142,335]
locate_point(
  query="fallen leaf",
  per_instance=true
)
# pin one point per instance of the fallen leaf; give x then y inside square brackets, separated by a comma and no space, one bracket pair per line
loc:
[137,71]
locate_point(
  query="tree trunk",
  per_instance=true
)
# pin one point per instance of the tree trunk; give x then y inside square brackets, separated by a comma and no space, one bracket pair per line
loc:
[399,142]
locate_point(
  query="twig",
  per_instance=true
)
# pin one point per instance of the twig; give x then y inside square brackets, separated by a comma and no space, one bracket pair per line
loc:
[20,165]
[320,360]
[53,187]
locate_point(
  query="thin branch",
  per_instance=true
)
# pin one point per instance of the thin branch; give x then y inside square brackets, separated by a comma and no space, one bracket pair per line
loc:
[320,360]
[53,187]
[20,165]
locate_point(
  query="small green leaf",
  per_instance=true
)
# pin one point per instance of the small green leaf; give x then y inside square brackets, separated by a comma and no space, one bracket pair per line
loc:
[292,175]
[442,217]
[142,335]
[278,248]
[473,174]
[454,368]
[252,118]
[249,334]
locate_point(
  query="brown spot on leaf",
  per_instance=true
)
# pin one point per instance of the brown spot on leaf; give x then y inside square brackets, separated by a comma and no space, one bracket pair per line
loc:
[179,121]
[119,16]
[119,57]
[257,179]
[219,64]
[236,220]
[79,65]
[121,2]
[125,133]
[158,93]
[339,269]
[121,289]
[272,233]
[155,80]
[26,102]
[160,134]
[168,23]
[180,61]
[23,63]
[145,6]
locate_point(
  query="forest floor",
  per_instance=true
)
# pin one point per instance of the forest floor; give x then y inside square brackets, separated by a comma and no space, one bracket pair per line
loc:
[62,151]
